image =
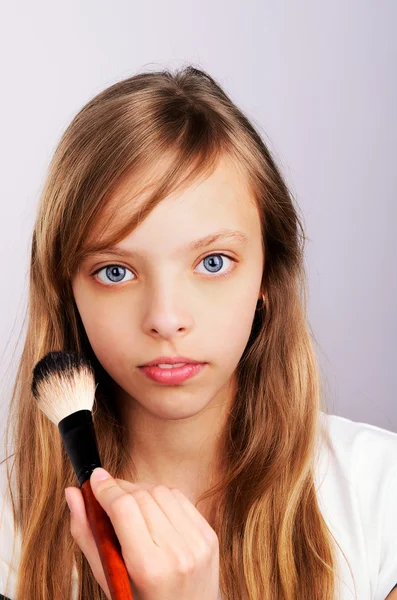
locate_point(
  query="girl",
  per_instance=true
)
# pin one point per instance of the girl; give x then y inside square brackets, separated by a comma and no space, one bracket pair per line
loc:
[165,232]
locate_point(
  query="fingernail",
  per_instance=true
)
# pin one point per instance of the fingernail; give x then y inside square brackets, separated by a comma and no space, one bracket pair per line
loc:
[99,474]
[67,496]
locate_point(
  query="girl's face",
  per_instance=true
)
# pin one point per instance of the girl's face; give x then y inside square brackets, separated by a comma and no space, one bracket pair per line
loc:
[165,298]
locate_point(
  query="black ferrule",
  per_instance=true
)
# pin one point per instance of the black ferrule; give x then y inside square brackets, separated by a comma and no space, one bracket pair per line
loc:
[78,434]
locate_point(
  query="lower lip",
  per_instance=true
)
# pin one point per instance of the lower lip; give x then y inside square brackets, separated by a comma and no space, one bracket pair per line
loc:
[174,375]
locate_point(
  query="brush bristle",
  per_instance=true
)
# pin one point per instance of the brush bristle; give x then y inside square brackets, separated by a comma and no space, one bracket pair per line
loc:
[63,383]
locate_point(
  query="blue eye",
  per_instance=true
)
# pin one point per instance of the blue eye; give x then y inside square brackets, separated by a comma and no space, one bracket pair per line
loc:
[214,263]
[116,273]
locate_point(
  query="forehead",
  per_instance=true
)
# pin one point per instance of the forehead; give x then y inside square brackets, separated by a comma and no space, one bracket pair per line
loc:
[212,201]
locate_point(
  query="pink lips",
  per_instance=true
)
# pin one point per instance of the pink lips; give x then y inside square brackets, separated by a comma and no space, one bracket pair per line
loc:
[172,376]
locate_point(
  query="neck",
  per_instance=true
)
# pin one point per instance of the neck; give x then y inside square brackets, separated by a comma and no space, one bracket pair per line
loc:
[181,452]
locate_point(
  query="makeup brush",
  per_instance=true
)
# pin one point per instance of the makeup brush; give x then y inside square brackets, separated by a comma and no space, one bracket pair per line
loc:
[64,386]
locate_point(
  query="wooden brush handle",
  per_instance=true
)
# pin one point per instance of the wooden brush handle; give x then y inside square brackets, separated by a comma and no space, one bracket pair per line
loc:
[108,546]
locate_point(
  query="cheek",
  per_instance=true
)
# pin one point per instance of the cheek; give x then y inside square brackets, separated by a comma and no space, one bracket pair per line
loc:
[230,327]
[111,340]
[222,330]
[108,331]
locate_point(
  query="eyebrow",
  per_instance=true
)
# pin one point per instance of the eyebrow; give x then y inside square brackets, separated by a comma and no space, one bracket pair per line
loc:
[222,235]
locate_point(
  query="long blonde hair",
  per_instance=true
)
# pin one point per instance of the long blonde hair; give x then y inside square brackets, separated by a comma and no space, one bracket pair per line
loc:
[274,542]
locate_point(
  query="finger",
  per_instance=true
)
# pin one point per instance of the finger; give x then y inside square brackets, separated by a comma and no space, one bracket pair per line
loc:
[194,533]
[130,486]
[196,517]
[82,534]
[161,530]
[128,522]
[179,518]
[173,511]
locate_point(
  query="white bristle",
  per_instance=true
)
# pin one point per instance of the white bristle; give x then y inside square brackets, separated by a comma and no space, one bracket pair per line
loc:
[61,394]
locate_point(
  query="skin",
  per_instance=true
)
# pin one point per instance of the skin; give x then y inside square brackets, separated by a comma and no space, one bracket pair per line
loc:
[170,303]
[168,548]
[171,308]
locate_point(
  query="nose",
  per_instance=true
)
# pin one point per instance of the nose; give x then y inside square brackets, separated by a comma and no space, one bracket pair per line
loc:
[167,314]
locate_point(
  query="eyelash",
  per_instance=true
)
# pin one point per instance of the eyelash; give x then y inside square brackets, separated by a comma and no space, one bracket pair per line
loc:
[117,265]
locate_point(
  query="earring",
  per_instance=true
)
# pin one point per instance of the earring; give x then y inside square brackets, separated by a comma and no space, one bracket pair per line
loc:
[261,306]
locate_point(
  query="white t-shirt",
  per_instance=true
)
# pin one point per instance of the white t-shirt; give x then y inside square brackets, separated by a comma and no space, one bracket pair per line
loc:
[356,483]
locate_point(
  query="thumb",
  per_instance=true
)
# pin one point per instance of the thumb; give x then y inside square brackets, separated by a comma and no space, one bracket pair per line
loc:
[82,534]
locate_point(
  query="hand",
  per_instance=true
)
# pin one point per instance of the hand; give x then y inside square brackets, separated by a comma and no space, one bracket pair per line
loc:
[169,549]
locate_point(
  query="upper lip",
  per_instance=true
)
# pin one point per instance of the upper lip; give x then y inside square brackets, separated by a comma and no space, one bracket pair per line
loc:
[160,360]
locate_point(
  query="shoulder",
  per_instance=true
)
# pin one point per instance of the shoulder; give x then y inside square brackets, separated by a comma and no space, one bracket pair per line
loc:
[357,490]
[347,431]
[9,542]
[347,435]
[361,452]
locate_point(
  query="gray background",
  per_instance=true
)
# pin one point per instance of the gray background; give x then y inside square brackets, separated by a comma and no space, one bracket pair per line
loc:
[319,81]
